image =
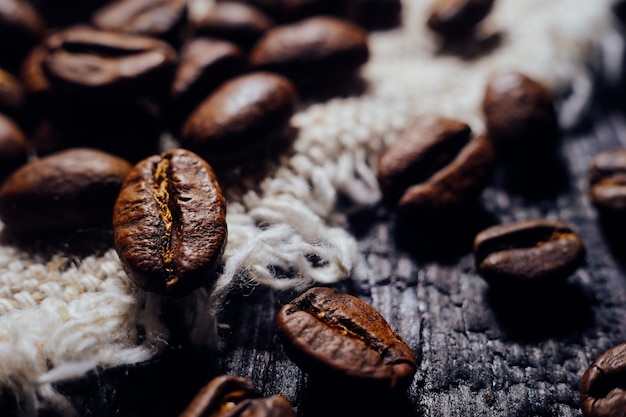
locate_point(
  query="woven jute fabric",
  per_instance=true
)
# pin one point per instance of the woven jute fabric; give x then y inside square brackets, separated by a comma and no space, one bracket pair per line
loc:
[64,312]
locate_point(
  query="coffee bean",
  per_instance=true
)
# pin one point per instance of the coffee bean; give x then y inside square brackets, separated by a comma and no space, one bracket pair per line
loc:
[204,65]
[292,10]
[13,143]
[21,27]
[338,338]
[231,396]
[603,385]
[84,62]
[520,117]
[607,182]
[158,18]
[238,118]
[435,165]
[527,253]
[169,223]
[239,23]
[67,190]
[312,52]
[456,18]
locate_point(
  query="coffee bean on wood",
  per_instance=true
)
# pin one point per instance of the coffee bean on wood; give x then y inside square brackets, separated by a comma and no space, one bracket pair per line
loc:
[520,117]
[66,190]
[237,120]
[338,338]
[607,182]
[231,396]
[312,52]
[435,165]
[603,385]
[528,253]
[169,223]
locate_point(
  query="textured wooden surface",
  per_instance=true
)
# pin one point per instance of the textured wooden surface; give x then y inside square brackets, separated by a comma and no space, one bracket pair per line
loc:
[480,353]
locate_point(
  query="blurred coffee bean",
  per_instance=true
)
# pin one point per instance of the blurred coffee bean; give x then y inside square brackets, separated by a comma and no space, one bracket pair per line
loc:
[239,118]
[607,183]
[204,65]
[13,147]
[528,253]
[231,396]
[158,18]
[239,23]
[21,27]
[312,52]
[452,19]
[602,387]
[342,341]
[12,95]
[374,14]
[83,62]
[129,130]
[169,223]
[435,166]
[67,190]
[521,118]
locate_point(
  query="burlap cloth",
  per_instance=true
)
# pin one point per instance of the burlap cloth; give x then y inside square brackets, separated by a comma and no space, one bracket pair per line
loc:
[63,313]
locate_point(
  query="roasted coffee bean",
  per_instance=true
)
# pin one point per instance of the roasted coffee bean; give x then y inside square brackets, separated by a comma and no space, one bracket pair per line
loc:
[67,190]
[169,223]
[520,117]
[239,23]
[84,62]
[158,18]
[527,253]
[607,182]
[204,65]
[603,385]
[21,27]
[13,149]
[312,52]
[455,18]
[435,165]
[237,120]
[338,338]
[231,396]
[292,10]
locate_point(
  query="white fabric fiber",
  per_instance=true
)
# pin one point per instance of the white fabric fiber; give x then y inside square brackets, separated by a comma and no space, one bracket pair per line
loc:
[61,317]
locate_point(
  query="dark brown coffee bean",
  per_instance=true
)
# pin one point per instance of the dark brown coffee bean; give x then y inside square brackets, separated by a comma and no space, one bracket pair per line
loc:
[339,338]
[239,23]
[21,28]
[607,182]
[239,117]
[169,223]
[32,73]
[455,18]
[231,396]
[13,147]
[67,190]
[435,165]
[204,65]
[318,50]
[85,62]
[520,117]
[158,18]
[526,253]
[292,10]
[603,385]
